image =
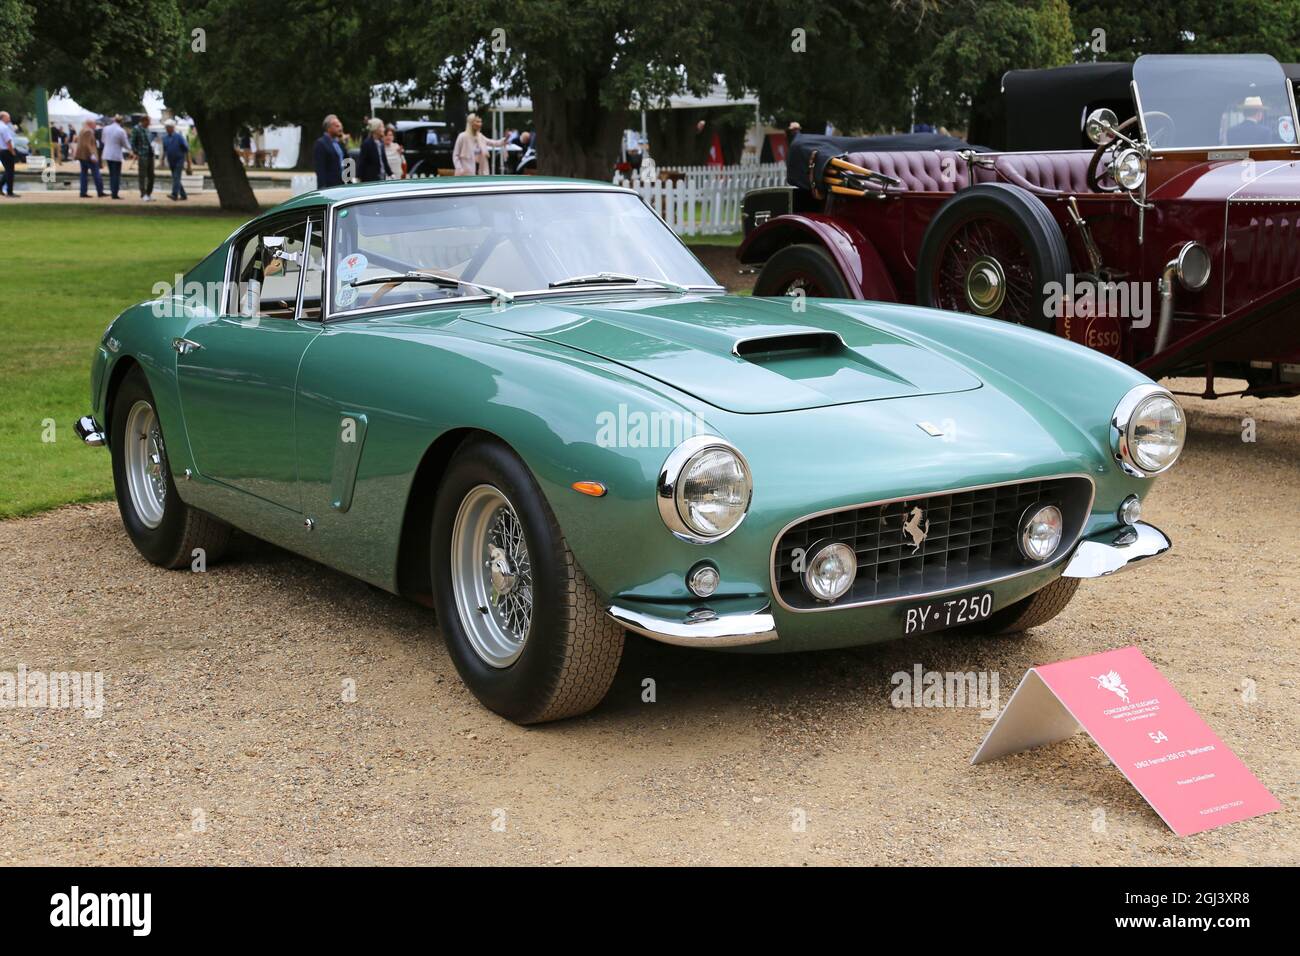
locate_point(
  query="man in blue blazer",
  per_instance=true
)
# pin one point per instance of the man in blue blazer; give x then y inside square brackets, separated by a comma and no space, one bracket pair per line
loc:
[327,154]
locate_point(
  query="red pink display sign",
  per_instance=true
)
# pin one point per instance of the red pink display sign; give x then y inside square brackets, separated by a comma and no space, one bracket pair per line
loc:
[1144,726]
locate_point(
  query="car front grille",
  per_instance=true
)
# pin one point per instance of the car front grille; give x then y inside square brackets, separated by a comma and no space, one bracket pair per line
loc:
[968,537]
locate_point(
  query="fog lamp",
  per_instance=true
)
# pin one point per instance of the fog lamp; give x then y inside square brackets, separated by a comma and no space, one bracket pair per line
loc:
[1040,532]
[830,571]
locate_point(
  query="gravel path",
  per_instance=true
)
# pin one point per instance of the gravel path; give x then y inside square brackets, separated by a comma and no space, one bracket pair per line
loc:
[226,737]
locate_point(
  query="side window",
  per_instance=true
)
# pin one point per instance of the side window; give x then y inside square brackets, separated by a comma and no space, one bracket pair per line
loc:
[268,266]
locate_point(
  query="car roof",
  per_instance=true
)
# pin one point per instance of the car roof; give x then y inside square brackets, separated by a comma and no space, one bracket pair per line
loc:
[403,187]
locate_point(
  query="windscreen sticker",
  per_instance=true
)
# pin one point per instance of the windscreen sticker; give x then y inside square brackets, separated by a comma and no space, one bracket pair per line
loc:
[1286,130]
[351,267]
[345,297]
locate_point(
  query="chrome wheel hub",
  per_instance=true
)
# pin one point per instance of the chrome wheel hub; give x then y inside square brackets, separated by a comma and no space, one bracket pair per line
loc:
[986,285]
[145,458]
[491,576]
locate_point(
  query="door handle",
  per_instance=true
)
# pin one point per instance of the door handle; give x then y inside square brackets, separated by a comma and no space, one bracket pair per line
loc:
[185,346]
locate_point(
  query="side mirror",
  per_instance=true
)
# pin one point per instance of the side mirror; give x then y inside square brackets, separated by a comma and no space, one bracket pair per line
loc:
[1101,125]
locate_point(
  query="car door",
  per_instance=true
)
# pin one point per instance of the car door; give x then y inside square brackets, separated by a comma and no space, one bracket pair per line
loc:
[237,372]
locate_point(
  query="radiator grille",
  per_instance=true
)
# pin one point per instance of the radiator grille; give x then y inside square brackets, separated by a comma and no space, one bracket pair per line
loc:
[966,538]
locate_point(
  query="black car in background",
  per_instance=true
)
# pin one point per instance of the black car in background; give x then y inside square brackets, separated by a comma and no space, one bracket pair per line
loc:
[427,146]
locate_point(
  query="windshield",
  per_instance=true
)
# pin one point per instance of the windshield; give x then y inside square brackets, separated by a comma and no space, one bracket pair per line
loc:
[1211,101]
[514,241]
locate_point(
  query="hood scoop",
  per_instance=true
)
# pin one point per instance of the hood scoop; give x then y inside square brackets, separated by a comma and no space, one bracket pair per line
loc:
[769,348]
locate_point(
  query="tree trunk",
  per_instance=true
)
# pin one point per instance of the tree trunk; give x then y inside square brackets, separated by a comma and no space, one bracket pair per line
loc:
[576,137]
[217,130]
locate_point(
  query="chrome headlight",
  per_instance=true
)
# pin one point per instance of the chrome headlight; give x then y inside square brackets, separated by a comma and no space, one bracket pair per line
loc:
[704,489]
[1147,431]
[1130,169]
[1193,266]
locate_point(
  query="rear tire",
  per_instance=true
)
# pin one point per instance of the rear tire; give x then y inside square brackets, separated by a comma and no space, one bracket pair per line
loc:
[1039,608]
[554,659]
[805,267]
[162,527]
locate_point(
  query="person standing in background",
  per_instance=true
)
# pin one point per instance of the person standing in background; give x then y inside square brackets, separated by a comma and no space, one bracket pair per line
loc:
[372,165]
[88,156]
[393,153]
[8,157]
[177,151]
[470,154]
[327,155]
[143,149]
[116,146]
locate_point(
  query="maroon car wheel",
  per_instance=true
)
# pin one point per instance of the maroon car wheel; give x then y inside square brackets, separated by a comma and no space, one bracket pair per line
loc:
[802,269]
[993,250]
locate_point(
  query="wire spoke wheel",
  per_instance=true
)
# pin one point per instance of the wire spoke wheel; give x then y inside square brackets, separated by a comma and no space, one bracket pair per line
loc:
[984,268]
[492,575]
[146,464]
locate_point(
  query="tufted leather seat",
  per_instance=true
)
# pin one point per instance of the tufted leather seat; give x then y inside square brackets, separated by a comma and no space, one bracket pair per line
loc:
[930,171]
[1047,172]
[946,172]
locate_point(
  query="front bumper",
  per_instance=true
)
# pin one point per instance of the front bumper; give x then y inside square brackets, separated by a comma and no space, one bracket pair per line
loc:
[1095,556]
[700,627]
[88,430]
[1116,550]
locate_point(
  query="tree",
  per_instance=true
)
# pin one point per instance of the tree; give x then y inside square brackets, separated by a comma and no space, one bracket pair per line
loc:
[250,63]
[581,63]
[106,53]
[15,34]
[1127,30]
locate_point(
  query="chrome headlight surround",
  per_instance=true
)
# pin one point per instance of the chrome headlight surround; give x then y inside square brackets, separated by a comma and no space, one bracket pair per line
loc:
[1193,266]
[1129,169]
[1121,429]
[668,487]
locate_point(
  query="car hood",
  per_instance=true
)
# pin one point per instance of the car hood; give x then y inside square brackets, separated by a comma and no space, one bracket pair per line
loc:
[747,355]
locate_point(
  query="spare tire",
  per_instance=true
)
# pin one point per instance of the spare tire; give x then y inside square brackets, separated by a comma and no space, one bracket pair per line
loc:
[992,250]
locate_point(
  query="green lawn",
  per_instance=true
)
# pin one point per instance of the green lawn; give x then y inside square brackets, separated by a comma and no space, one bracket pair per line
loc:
[67,273]
[724,239]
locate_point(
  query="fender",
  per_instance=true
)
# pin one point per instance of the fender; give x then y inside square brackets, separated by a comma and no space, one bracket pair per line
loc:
[852,252]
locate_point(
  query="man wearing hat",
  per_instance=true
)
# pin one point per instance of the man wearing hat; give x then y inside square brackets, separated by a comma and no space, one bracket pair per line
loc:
[1251,131]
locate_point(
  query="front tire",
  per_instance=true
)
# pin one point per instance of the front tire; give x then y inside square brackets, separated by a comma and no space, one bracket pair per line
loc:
[162,527]
[524,628]
[1039,608]
[993,249]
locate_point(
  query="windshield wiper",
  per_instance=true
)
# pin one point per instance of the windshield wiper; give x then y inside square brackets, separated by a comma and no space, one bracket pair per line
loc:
[446,282]
[599,277]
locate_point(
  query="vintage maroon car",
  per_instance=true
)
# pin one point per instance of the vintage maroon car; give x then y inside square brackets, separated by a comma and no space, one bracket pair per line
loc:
[1172,243]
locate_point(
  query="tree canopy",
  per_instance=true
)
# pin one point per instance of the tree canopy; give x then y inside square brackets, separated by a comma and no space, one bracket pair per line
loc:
[863,65]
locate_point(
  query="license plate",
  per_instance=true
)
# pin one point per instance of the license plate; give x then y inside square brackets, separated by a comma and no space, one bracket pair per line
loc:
[947,612]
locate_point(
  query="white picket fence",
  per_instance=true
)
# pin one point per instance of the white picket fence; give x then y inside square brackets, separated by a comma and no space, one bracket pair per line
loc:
[695,200]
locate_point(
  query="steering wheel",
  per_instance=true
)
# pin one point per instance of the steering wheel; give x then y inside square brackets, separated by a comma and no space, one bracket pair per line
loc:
[1094,165]
[1158,126]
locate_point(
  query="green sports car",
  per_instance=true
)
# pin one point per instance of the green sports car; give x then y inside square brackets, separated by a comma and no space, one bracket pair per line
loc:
[524,403]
